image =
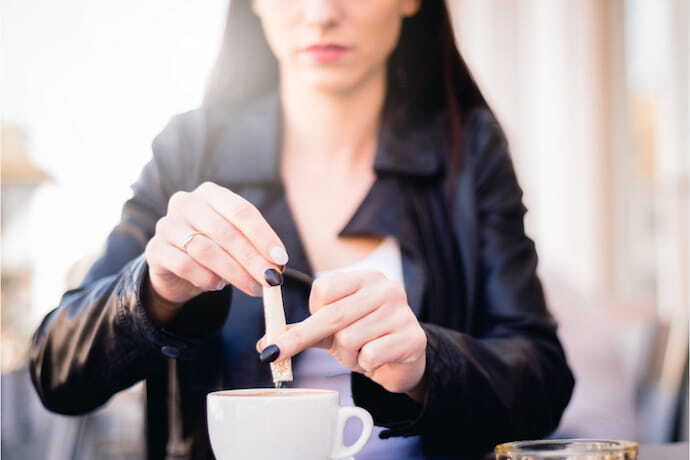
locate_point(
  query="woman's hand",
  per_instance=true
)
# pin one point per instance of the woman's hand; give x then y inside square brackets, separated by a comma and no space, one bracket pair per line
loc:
[208,238]
[363,319]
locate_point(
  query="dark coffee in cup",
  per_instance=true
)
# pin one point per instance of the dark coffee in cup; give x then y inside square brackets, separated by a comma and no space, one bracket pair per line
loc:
[273,393]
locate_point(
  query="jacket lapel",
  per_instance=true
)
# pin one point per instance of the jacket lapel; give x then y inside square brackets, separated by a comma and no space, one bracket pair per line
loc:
[383,213]
[415,280]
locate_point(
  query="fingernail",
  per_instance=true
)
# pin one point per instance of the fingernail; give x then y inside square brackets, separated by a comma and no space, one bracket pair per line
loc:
[221,285]
[257,289]
[269,354]
[278,255]
[273,277]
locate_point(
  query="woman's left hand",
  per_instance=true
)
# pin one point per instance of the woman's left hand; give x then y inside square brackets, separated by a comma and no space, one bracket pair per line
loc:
[363,319]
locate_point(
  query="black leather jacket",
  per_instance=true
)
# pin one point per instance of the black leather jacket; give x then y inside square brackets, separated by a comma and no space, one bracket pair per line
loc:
[495,368]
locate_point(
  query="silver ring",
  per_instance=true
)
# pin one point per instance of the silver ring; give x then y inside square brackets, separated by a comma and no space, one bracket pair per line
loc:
[189,239]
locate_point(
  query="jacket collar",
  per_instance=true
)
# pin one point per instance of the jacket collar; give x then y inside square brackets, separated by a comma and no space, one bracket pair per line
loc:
[258,129]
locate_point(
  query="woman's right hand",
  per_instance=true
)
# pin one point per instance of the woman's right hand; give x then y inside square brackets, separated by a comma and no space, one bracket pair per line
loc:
[233,244]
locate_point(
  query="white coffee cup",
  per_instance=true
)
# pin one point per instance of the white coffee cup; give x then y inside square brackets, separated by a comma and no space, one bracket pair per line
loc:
[294,423]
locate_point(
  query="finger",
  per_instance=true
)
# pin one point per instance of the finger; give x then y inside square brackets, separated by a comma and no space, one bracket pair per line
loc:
[183,266]
[327,321]
[333,287]
[385,349]
[205,219]
[347,342]
[381,321]
[249,220]
[261,343]
[208,254]
[402,347]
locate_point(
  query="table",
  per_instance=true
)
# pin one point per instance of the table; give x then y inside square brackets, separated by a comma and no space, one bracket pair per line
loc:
[674,451]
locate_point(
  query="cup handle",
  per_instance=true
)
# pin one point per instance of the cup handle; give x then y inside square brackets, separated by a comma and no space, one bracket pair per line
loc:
[344,414]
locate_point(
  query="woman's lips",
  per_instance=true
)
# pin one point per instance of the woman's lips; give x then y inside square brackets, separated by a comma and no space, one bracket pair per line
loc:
[326,53]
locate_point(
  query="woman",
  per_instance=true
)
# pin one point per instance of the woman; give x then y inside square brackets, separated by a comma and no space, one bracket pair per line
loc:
[342,137]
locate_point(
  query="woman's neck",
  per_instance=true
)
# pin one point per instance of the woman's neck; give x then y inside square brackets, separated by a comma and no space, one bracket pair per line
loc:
[338,127]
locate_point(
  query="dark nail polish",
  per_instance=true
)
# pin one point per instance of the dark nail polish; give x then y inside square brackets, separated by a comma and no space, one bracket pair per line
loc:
[273,277]
[269,354]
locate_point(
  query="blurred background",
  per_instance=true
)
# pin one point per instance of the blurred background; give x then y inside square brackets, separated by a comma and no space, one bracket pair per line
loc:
[594,96]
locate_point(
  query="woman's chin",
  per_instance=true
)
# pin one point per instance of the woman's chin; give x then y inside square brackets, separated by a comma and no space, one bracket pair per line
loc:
[335,81]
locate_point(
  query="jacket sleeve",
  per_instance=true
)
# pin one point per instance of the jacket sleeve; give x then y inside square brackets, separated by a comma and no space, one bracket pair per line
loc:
[99,340]
[509,380]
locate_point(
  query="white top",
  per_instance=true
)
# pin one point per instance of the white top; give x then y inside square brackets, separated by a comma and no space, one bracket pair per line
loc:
[316,368]
[385,258]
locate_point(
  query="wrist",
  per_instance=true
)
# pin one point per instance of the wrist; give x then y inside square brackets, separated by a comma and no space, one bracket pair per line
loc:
[418,393]
[160,310]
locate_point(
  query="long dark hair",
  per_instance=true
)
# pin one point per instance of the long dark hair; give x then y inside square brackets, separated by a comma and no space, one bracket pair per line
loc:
[427,76]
